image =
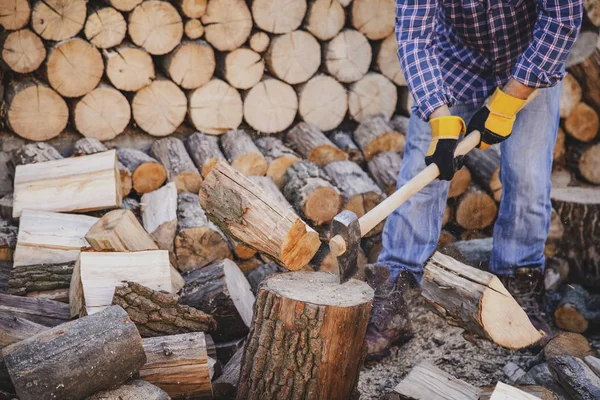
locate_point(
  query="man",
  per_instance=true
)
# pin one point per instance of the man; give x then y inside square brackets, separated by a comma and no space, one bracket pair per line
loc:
[454,54]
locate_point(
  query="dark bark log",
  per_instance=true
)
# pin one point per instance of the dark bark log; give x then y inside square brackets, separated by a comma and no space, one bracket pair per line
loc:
[384,168]
[485,166]
[279,157]
[225,350]
[256,276]
[40,311]
[204,150]
[374,135]
[15,329]
[27,280]
[476,252]
[242,153]
[575,377]
[180,168]
[34,153]
[344,141]
[541,375]
[578,311]
[5,270]
[226,386]
[132,390]
[314,145]
[8,239]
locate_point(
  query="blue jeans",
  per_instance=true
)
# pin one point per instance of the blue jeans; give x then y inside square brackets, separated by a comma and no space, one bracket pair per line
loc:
[412,231]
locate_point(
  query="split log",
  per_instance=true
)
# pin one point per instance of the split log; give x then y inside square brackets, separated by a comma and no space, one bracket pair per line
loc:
[348,56]
[323,101]
[279,157]
[198,241]
[243,68]
[294,57]
[259,42]
[555,235]
[459,183]
[246,212]
[313,196]
[585,159]
[325,19]
[475,209]
[105,28]
[156,26]
[484,166]
[132,390]
[160,107]
[387,61]
[374,135]
[193,29]
[278,16]
[270,106]
[570,96]
[583,123]
[180,168]
[256,276]
[584,64]
[215,108]
[241,251]
[250,264]
[147,174]
[159,215]
[124,5]
[191,64]
[227,23]
[242,153]
[576,377]
[344,141]
[221,290]
[33,110]
[76,184]
[567,344]
[375,19]
[107,349]
[14,329]
[23,51]
[478,302]
[159,313]
[268,185]
[192,8]
[361,194]
[578,310]
[225,387]
[321,306]
[503,391]
[314,145]
[373,94]
[57,19]
[179,365]
[14,14]
[129,68]
[475,253]
[41,311]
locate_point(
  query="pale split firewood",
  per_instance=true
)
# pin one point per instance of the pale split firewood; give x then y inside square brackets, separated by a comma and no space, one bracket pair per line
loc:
[215,108]
[270,106]
[226,385]
[192,8]
[74,67]
[124,5]
[193,29]
[484,166]
[227,24]
[293,57]
[325,19]
[242,153]
[159,214]
[475,209]
[147,174]
[279,157]
[245,211]
[105,28]
[375,135]
[575,377]
[373,94]
[323,101]
[15,329]
[156,26]
[198,241]
[459,183]
[373,18]
[585,159]
[160,107]
[76,184]
[387,60]
[583,123]
[577,310]
[322,304]
[570,96]
[256,276]
[476,301]
[40,311]
[132,390]
[242,68]
[58,19]
[475,253]
[314,145]
[503,391]
[14,14]
[278,16]
[34,111]
[22,51]
[344,141]
[129,68]
[107,348]
[180,168]
[584,63]
[259,42]
[384,168]
[191,64]
[348,56]
[204,150]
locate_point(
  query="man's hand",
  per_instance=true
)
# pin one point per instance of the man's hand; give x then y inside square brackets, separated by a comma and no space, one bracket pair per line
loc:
[445,131]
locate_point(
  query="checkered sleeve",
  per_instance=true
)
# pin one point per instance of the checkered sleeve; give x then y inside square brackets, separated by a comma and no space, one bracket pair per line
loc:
[555,31]
[415,23]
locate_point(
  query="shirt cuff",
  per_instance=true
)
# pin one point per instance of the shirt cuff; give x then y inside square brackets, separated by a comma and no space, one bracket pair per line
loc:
[436,100]
[528,73]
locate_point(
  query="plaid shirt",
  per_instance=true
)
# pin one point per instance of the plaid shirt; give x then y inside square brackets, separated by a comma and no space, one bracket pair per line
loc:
[461,50]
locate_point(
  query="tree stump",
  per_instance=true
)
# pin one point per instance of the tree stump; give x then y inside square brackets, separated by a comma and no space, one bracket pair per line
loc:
[129,68]
[160,107]
[242,153]
[180,168]
[156,26]
[293,57]
[387,61]
[204,150]
[14,14]
[23,51]
[227,23]
[278,16]
[105,28]
[314,145]
[58,19]
[147,174]
[259,42]
[375,135]
[348,56]
[191,64]
[373,94]
[374,18]
[243,68]
[270,106]
[279,157]
[323,101]
[583,123]
[215,108]
[384,168]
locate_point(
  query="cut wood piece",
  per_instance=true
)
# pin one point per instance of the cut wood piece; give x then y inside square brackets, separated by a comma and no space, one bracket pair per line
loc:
[156,26]
[313,196]
[584,64]
[224,351]
[34,153]
[446,238]
[105,28]
[314,145]
[459,183]
[278,16]
[204,150]
[476,252]
[129,68]
[193,29]
[75,184]
[400,124]
[555,235]
[583,123]
[15,329]
[41,311]
[361,194]
[270,106]
[242,153]
[375,135]
[215,108]
[541,375]
[250,264]
[74,67]
[503,391]
[159,214]
[585,159]
[592,8]
[570,96]
[58,19]
[559,147]
[325,19]
[243,68]
[106,347]
[249,214]
[192,8]
[259,42]
[158,313]
[427,382]
[477,302]
[567,344]
[373,94]
[33,110]
[578,310]
[384,168]
[14,14]
[484,166]
[124,5]
[227,24]
[323,101]
[304,310]
[448,214]
[344,141]
[256,276]
[561,178]
[576,377]
[221,290]
[160,107]
[23,51]
[293,57]
[374,18]
[191,64]
[50,281]
[198,241]
[348,56]
[179,365]
[475,209]
[96,274]
[8,240]
[278,156]
[387,61]
[241,251]
[147,174]
[180,168]
[132,390]
[226,385]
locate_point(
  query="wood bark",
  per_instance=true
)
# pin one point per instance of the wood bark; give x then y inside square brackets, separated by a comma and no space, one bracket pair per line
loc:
[191,64]
[242,68]
[242,153]
[325,19]
[14,14]
[584,64]
[321,306]
[129,68]
[22,51]
[132,390]
[5,269]
[344,141]
[105,28]
[147,174]
[570,96]
[374,18]
[256,276]
[279,157]
[160,107]
[40,311]
[475,209]
[180,168]
[477,302]
[193,29]
[156,26]
[215,108]
[576,377]
[278,16]
[43,280]
[387,61]
[204,150]
[259,42]
[15,329]
[585,159]
[58,20]
[348,56]
[577,310]
[314,145]
[484,166]
[226,385]
[323,101]
[374,135]
[293,57]
[446,238]
[400,124]
[583,123]
[227,23]
[476,252]
[541,375]
[270,106]
[503,391]
[459,183]
[373,94]
[159,215]
[33,153]
[593,363]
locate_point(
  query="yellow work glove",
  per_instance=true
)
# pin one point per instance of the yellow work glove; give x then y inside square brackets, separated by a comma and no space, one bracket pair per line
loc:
[444,138]
[495,120]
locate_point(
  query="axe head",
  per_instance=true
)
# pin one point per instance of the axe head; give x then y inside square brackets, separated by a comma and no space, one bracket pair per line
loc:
[346,225]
